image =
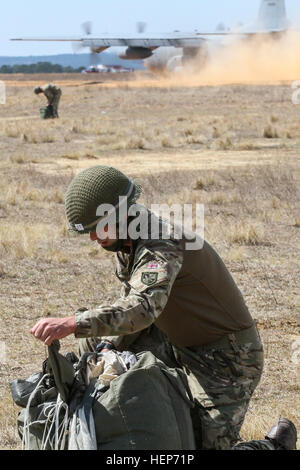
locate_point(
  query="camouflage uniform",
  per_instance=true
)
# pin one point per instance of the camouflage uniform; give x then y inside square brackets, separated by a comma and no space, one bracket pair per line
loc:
[186,309]
[53,95]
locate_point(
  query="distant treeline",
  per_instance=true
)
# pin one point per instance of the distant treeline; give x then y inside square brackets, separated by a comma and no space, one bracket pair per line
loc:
[40,67]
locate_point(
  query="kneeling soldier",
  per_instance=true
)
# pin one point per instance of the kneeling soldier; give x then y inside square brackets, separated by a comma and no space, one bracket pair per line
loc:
[182,305]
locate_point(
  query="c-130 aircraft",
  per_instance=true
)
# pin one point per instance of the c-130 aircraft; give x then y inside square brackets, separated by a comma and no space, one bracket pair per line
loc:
[170,52]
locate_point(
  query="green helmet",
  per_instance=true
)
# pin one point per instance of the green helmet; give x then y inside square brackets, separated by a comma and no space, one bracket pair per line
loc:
[91,188]
[37,90]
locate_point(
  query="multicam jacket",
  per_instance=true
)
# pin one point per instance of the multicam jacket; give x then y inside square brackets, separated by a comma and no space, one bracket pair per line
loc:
[189,294]
[51,92]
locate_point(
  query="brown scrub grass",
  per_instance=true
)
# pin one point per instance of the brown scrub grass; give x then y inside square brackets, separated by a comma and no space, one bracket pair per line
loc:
[186,144]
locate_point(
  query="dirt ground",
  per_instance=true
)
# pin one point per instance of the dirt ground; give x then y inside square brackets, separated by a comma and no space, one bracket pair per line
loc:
[234,148]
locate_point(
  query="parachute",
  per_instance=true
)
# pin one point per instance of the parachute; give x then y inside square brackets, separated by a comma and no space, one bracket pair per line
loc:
[110,401]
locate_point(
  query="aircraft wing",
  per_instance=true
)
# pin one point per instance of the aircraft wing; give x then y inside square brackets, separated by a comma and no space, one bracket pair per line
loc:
[105,41]
[176,39]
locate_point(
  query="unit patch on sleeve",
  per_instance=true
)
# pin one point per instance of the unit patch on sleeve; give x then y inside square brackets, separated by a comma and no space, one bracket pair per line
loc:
[149,278]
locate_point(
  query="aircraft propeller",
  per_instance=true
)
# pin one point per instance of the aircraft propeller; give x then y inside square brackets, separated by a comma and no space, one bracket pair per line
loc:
[141,27]
[87,28]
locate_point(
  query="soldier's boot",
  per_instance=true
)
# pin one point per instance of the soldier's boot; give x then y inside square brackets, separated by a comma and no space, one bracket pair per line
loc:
[283,435]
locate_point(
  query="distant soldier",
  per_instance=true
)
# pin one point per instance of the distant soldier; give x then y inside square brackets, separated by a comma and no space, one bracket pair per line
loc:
[53,94]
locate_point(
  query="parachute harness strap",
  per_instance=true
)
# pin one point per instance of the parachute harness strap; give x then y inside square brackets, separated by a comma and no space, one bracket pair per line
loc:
[52,413]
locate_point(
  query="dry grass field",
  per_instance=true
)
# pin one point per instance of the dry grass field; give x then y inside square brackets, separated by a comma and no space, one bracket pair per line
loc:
[234,148]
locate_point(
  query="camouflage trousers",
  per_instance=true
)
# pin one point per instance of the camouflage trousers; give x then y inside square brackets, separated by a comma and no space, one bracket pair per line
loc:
[222,380]
[54,102]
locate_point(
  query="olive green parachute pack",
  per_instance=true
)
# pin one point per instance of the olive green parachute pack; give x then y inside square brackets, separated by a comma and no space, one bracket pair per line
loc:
[47,112]
[148,407]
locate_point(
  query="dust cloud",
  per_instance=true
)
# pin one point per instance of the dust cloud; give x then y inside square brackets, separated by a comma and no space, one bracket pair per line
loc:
[248,61]
[237,61]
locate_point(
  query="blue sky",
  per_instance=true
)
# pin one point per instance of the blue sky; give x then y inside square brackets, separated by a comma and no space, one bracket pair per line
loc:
[64,17]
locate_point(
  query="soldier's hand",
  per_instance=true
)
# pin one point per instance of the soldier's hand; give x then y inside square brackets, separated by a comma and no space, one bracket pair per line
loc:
[50,329]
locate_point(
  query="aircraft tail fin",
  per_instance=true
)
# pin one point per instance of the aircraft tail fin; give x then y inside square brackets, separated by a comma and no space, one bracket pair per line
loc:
[272,15]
